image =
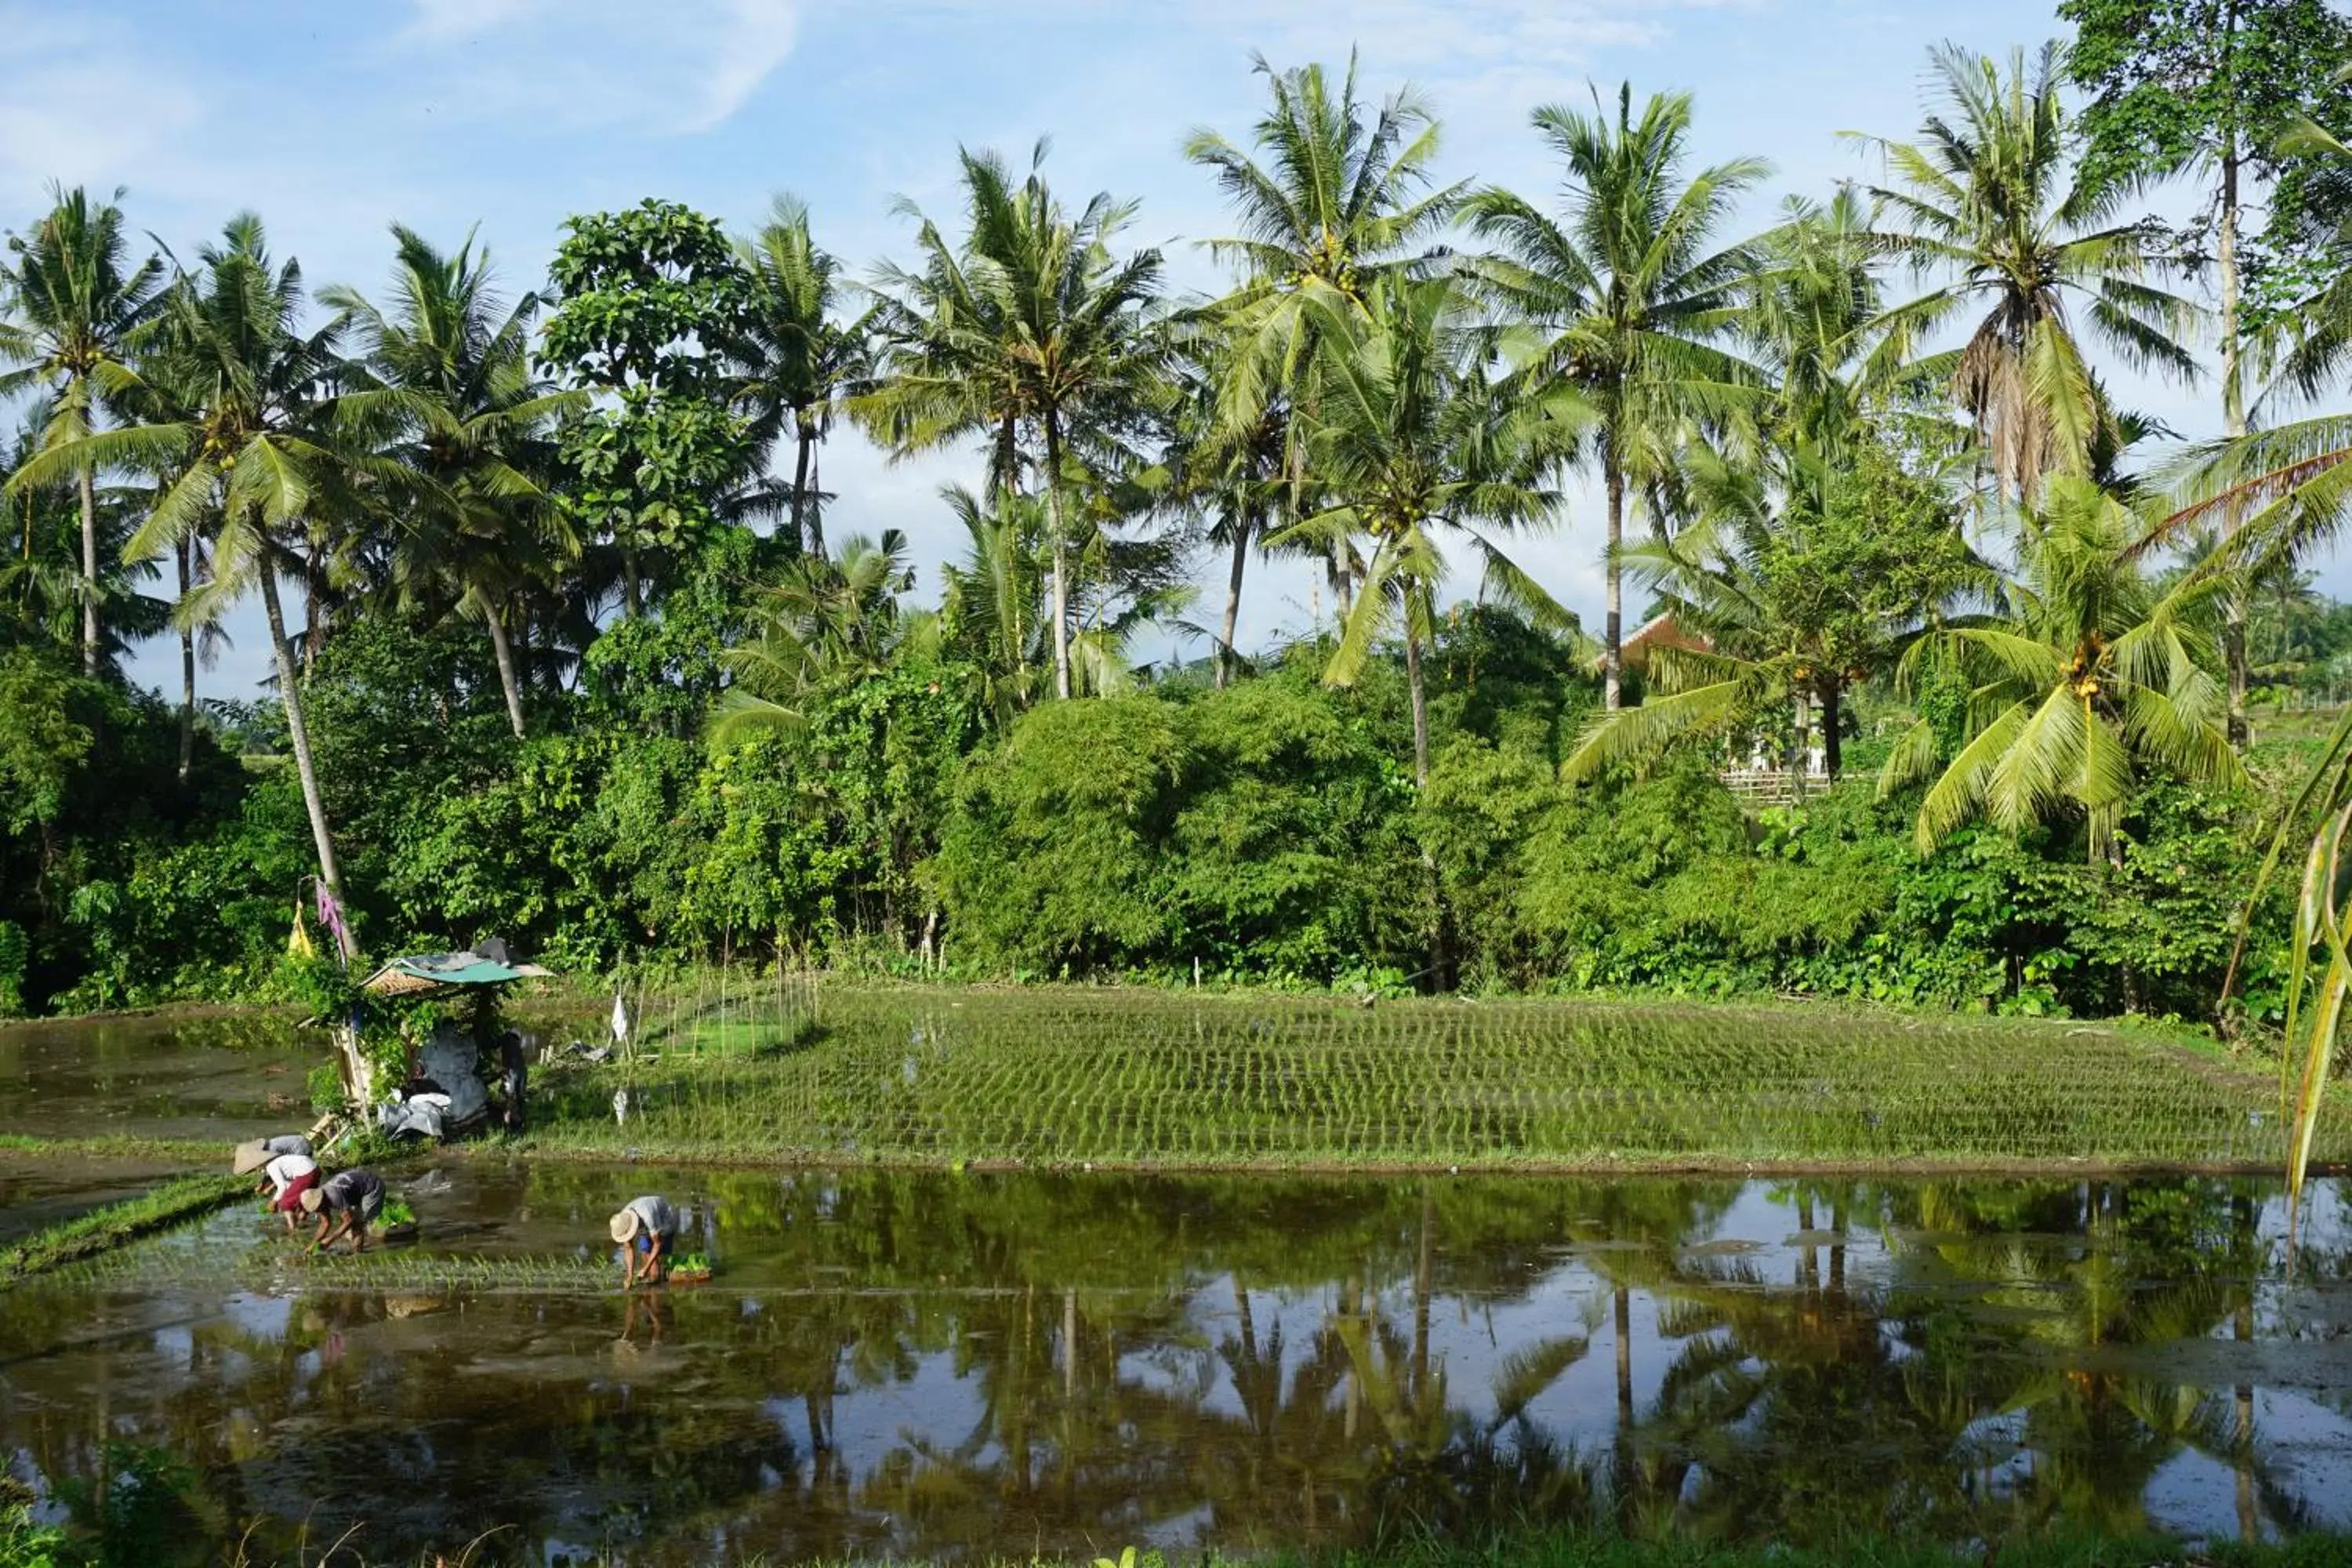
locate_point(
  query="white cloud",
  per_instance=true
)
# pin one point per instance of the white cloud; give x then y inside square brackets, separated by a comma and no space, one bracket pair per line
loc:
[1446,38]
[756,37]
[468,18]
[684,65]
[82,103]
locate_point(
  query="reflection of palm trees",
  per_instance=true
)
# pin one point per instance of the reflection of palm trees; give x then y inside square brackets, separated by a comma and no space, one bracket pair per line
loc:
[2053,1285]
[1298,1447]
[1114,1363]
[1813,1409]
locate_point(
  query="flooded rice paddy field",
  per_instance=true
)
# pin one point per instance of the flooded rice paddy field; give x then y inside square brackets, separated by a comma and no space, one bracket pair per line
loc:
[174,1076]
[225,1075]
[37,1191]
[903,1364]
[896,1364]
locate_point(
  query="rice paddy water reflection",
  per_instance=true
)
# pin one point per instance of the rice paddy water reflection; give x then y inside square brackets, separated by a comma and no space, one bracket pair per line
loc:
[905,1363]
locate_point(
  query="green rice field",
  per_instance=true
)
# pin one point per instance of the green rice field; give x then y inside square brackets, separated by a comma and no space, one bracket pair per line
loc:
[1160,1079]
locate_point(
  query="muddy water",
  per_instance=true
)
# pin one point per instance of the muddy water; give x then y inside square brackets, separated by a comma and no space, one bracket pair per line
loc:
[211,1076]
[970,1366]
[36,1192]
[221,1076]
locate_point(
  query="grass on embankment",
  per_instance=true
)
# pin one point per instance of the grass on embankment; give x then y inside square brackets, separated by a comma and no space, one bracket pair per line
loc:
[1590,1551]
[84,1236]
[118,1146]
[22,1543]
[1129,1079]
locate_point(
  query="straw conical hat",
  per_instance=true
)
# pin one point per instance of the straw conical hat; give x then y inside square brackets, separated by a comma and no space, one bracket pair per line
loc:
[624,1226]
[312,1200]
[250,1157]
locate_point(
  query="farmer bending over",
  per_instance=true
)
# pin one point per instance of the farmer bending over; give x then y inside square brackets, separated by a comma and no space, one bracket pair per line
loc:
[290,1178]
[251,1157]
[345,1204]
[647,1229]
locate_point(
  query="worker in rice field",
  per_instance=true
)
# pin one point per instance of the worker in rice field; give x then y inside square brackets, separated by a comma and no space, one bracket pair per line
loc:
[346,1205]
[252,1155]
[513,1078]
[289,1178]
[646,1232]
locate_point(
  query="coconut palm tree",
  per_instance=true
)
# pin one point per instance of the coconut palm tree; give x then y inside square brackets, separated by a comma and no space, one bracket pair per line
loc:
[1782,607]
[1809,561]
[992,602]
[798,361]
[1636,297]
[1032,329]
[2318,332]
[1233,480]
[1417,440]
[1333,194]
[2037,250]
[80,306]
[446,373]
[42,593]
[996,609]
[256,448]
[2270,496]
[1812,302]
[2093,677]
[826,621]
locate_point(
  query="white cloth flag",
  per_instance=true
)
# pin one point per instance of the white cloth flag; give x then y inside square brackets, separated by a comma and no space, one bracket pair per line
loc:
[620,1021]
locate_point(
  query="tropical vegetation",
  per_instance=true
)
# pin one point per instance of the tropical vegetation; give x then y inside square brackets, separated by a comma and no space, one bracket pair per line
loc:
[1960,682]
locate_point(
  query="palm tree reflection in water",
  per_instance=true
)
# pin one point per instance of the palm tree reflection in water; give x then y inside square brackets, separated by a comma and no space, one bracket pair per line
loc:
[908,1365]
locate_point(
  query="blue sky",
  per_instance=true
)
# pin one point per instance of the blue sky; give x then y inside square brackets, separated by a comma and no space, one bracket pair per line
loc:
[333,120]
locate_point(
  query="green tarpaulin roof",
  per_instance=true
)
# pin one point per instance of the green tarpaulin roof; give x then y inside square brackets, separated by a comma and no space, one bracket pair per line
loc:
[429,969]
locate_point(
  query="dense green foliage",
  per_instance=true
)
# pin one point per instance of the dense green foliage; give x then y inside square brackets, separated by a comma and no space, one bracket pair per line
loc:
[1927,714]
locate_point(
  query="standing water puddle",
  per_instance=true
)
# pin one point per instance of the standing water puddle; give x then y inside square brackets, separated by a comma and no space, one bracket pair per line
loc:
[214,1076]
[897,1365]
[211,1076]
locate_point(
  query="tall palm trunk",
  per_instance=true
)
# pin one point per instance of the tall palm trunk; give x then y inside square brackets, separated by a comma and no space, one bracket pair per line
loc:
[504,652]
[187,665]
[1613,647]
[299,734]
[1245,528]
[1061,558]
[314,631]
[2233,421]
[816,501]
[804,523]
[1831,757]
[1800,763]
[1441,930]
[88,487]
[1420,698]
